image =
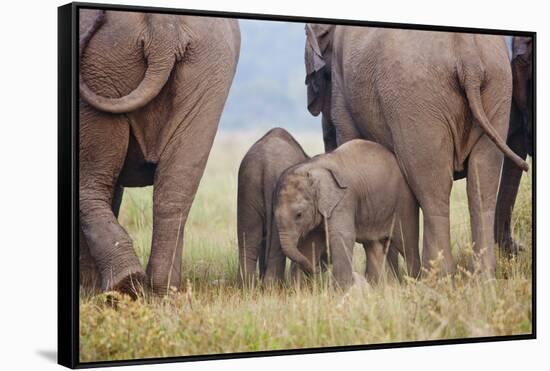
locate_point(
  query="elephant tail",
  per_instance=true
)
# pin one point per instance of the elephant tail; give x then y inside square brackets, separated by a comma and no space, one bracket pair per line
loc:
[471,84]
[155,78]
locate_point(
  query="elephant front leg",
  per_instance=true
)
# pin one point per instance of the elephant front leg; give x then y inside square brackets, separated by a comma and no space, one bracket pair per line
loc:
[103,144]
[376,252]
[341,236]
[329,133]
[313,247]
[507,193]
[342,122]
[392,257]
[272,269]
[482,185]
[177,178]
[296,275]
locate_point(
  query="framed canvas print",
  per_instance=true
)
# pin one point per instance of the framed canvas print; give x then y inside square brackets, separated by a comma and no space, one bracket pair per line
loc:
[243,185]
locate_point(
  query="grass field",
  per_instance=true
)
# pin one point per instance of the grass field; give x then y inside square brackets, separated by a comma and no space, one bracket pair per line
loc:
[210,314]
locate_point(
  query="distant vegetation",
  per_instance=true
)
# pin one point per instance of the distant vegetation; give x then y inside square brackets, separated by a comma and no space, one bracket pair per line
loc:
[268,89]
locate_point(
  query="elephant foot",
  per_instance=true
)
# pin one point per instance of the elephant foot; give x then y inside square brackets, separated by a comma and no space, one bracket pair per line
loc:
[162,289]
[133,285]
[130,281]
[510,247]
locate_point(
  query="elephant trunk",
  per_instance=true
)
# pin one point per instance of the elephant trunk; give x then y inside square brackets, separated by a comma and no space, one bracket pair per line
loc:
[289,246]
[159,68]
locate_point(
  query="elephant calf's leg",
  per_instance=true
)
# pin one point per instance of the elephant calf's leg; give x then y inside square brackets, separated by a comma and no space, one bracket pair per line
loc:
[392,258]
[405,237]
[376,252]
[341,253]
[273,271]
[250,227]
[313,247]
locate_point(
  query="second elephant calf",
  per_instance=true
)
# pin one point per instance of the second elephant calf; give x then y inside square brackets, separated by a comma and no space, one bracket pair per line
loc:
[358,193]
[258,239]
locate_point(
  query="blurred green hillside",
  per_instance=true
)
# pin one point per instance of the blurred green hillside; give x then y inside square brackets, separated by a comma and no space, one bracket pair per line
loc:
[268,89]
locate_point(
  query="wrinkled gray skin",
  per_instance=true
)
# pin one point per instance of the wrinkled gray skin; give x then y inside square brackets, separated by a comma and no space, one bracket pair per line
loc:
[257,232]
[152,89]
[439,101]
[358,194]
[520,136]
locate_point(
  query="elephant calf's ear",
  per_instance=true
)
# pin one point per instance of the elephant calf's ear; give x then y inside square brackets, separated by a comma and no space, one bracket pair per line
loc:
[341,181]
[330,190]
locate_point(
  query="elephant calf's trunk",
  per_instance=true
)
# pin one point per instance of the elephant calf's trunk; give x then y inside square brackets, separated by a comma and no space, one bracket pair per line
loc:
[291,251]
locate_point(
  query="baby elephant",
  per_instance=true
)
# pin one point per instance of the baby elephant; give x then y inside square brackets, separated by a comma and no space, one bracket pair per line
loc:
[358,193]
[257,232]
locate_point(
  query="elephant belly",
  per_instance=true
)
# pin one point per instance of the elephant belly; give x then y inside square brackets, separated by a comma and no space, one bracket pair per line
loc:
[373,231]
[136,172]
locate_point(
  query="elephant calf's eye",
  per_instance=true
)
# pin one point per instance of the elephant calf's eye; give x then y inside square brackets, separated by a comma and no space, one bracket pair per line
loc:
[298,215]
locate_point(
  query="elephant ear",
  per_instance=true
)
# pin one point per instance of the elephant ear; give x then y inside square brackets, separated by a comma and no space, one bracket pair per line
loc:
[315,63]
[330,188]
[521,47]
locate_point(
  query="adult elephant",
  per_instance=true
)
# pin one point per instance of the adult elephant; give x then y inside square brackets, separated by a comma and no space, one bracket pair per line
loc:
[520,134]
[440,101]
[152,89]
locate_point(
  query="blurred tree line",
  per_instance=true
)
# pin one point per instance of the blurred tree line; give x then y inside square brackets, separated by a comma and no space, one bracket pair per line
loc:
[268,89]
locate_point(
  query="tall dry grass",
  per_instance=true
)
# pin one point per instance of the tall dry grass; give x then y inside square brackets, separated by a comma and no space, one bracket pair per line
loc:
[210,314]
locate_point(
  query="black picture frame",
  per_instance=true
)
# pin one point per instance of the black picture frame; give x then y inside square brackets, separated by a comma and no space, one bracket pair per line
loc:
[68,175]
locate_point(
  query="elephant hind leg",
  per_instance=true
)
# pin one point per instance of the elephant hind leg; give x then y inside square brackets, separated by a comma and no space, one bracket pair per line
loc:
[376,252]
[90,277]
[177,177]
[484,170]
[507,193]
[482,184]
[250,229]
[103,144]
[392,259]
[429,173]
